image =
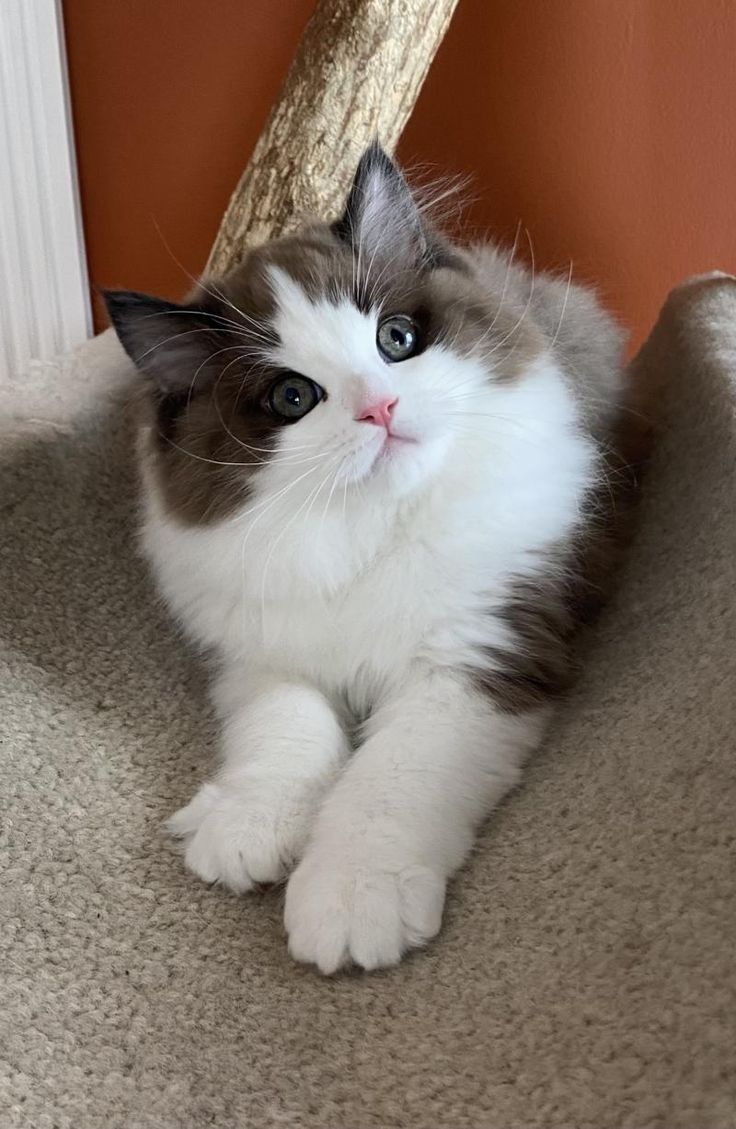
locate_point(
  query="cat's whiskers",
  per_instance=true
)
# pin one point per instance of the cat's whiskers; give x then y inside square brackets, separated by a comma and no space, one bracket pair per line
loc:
[329,496]
[274,461]
[309,502]
[226,324]
[274,498]
[201,285]
[430,195]
[218,294]
[389,263]
[483,413]
[216,405]
[598,402]
[207,361]
[172,337]
[264,506]
[553,342]
[358,267]
[477,346]
[514,329]
[507,275]
[344,498]
[371,295]
[533,436]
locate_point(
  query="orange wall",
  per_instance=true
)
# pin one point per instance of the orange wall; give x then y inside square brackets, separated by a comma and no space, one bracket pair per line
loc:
[168,98]
[607,126]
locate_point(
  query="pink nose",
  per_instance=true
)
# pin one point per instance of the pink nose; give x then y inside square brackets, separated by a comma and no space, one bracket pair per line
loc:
[379,412]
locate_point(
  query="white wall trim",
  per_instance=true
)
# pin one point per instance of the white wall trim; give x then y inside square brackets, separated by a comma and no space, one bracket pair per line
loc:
[44,292]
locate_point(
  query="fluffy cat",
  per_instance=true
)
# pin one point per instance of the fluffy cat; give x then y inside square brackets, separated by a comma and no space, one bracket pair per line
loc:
[384,478]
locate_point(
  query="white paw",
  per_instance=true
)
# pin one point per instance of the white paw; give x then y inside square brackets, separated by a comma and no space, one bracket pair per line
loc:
[241,836]
[339,912]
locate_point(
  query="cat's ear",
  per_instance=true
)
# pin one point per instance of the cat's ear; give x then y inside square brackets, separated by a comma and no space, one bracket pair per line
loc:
[380,211]
[166,341]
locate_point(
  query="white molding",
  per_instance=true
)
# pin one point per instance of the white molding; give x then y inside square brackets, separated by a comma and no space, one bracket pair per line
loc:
[44,292]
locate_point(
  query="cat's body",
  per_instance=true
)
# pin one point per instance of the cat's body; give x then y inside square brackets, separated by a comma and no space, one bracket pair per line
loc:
[391,617]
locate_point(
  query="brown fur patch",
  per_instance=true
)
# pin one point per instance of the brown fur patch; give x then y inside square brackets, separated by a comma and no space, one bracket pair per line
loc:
[545,615]
[209,438]
[210,431]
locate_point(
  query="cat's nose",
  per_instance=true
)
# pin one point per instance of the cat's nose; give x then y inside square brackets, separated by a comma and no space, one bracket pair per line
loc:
[379,412]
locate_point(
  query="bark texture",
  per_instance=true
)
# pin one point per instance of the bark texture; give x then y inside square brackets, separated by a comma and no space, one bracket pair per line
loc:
[356,76]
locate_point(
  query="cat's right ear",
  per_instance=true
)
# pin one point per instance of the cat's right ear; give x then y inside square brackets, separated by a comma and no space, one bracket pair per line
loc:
[168,342]
[380,212]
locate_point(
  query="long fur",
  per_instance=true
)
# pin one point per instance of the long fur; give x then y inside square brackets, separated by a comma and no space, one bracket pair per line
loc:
[391,621]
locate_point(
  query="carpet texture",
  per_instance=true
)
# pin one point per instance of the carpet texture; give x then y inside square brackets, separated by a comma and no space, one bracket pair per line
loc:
[585,973]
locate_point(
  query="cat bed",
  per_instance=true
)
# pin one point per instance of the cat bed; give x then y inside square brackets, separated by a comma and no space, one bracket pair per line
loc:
[584,975]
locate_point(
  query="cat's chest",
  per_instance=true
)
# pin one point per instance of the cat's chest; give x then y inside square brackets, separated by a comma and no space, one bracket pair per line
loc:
[405,600]
[373,626]
[359,595]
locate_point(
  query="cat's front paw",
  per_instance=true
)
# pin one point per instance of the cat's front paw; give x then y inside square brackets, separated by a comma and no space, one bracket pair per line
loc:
[343,912]
[241,836]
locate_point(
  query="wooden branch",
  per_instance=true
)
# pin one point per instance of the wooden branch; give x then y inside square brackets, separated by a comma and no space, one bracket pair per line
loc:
[356,76]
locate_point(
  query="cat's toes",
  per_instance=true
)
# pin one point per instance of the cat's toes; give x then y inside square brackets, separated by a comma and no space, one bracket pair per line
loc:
[338,913]
[239,838]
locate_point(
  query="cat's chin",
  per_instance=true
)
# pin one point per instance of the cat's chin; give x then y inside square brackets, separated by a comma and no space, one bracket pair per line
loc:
[403,464]
[393,443]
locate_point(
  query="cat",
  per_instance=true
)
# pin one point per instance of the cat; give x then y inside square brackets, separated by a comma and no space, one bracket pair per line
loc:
[385,478]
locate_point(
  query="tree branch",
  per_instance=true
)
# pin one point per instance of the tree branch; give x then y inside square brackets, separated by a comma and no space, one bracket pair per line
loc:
[356,76]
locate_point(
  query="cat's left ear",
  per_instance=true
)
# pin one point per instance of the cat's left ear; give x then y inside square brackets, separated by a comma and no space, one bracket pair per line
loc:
[380,211]
[170,343]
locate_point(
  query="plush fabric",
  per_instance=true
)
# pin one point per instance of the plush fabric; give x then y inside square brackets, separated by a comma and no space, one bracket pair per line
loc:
[585,973]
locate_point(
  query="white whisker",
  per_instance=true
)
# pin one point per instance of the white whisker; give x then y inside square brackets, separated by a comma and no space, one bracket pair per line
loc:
[285,528]
[553,342]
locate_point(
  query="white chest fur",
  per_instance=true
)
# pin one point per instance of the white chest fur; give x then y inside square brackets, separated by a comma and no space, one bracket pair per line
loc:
[349,593]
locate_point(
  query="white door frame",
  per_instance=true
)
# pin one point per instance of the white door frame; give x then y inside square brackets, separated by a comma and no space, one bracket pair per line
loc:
[44,291]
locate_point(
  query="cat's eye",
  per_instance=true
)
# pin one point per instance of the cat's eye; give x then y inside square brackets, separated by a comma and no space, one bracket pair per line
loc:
[294,396]
[397,338]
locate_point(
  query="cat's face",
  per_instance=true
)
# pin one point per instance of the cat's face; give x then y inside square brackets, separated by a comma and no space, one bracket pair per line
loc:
[349,357]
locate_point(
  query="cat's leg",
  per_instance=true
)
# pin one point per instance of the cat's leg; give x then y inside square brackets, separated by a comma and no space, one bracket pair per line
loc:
[282,745]
[400,820]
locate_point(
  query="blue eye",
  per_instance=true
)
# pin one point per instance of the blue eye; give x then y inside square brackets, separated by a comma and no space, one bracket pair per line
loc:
[397,338]
[294,396]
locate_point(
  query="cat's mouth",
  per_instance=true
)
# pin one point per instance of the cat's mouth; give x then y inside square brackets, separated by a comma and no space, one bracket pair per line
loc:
[393,442]
[384,449]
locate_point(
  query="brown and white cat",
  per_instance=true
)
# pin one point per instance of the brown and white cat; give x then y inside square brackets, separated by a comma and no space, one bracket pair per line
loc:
[383,479]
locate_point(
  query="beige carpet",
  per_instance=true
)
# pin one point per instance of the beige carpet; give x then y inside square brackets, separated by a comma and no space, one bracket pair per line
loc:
[585,974]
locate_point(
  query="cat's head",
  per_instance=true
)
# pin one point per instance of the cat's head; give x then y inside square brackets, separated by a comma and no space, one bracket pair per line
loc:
[348,356]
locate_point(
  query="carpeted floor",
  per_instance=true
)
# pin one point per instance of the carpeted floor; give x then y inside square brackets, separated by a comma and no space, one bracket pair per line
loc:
[585,974]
